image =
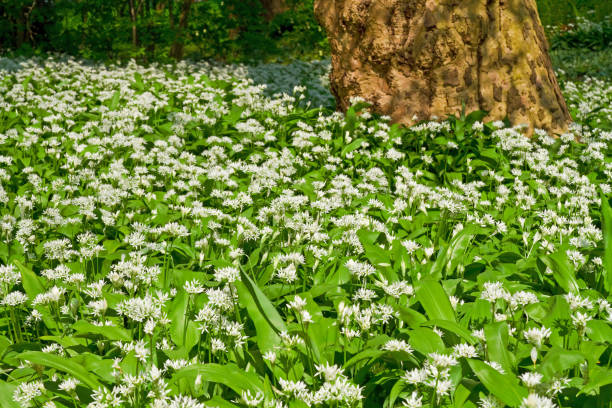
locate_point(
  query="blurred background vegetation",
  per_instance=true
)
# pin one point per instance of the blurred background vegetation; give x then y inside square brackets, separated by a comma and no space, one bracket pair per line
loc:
[231,30]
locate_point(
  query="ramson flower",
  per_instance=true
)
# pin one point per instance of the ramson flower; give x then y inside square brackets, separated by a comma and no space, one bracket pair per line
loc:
[537,335]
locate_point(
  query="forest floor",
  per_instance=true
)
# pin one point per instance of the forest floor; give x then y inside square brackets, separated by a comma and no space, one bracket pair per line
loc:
[184,236]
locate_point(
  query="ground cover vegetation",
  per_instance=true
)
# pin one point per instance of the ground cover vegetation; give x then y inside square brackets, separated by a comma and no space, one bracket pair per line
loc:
[181,236]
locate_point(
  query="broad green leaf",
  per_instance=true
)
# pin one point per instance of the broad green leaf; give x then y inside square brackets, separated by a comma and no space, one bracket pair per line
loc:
[268,322]
[229,375]
[497,345]
[503,386]
[562,271]
[367,354]
[558,360]
[599,330]
[114,101]
[395,392]
[434,300]
[448,259]
[354,145]
[452,327]
[606,226]
[85,328]
[6,395]
[63,364]
[183,331]
[138,83]
[599,377]
[462,393]
[218,402]
[30,281]
[425,341]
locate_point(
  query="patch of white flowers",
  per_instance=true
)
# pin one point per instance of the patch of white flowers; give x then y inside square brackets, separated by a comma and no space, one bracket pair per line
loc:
[173,236]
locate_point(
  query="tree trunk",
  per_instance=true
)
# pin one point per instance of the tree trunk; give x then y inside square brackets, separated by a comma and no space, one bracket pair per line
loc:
[417,59]
[273,8]
[133,20]
[176,51]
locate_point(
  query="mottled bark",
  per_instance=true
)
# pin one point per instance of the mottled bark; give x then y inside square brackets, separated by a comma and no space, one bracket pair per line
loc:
[422,58]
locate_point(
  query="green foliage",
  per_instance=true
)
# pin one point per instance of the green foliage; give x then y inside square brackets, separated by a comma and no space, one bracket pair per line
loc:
[228,30]
[558,12]
[578,63]
[171,236]
[231,30]
[583,34]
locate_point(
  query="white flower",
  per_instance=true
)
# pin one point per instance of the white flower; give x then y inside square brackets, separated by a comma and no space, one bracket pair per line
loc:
[410,246]
[536,401]
[15,299]
[27,391]
[537,335]
[69,385]
[329,372]
[489,401]
[464,350]
[398,345]
[359,269]
[531,379]
[270,356]
[442,360]
[228,273]
[252,400]
[413,401]
[415,376]
[493,291]
[193,287]
[297,304]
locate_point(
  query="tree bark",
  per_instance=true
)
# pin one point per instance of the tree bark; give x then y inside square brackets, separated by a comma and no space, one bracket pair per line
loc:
[176,51]
[419,59]
[133,20]
[274,8]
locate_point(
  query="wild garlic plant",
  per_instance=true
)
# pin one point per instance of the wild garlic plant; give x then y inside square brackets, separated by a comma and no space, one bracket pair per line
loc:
[173,236]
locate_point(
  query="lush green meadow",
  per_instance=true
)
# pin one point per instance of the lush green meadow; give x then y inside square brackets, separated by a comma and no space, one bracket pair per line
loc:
[179,236]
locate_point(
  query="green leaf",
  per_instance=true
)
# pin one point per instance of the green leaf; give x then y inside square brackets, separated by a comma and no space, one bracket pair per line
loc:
[557,360]
[183,330]
[234,115]
[268,322]
[497,345]
[369,354]
[453,328]
[84,328]
[230,375]
[503,386]
[354,145]
[62,364]
[599,377]
[114,101]
[448,260]
[218,402]
[563,272]
[6,395]
[30,281]
[138,84]
[599,330]
[434,300]
[425,341]
[606,226]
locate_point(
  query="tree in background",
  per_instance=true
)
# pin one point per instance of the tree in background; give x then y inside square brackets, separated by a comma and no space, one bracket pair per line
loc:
[274,8]
[423,58]
[178,46]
